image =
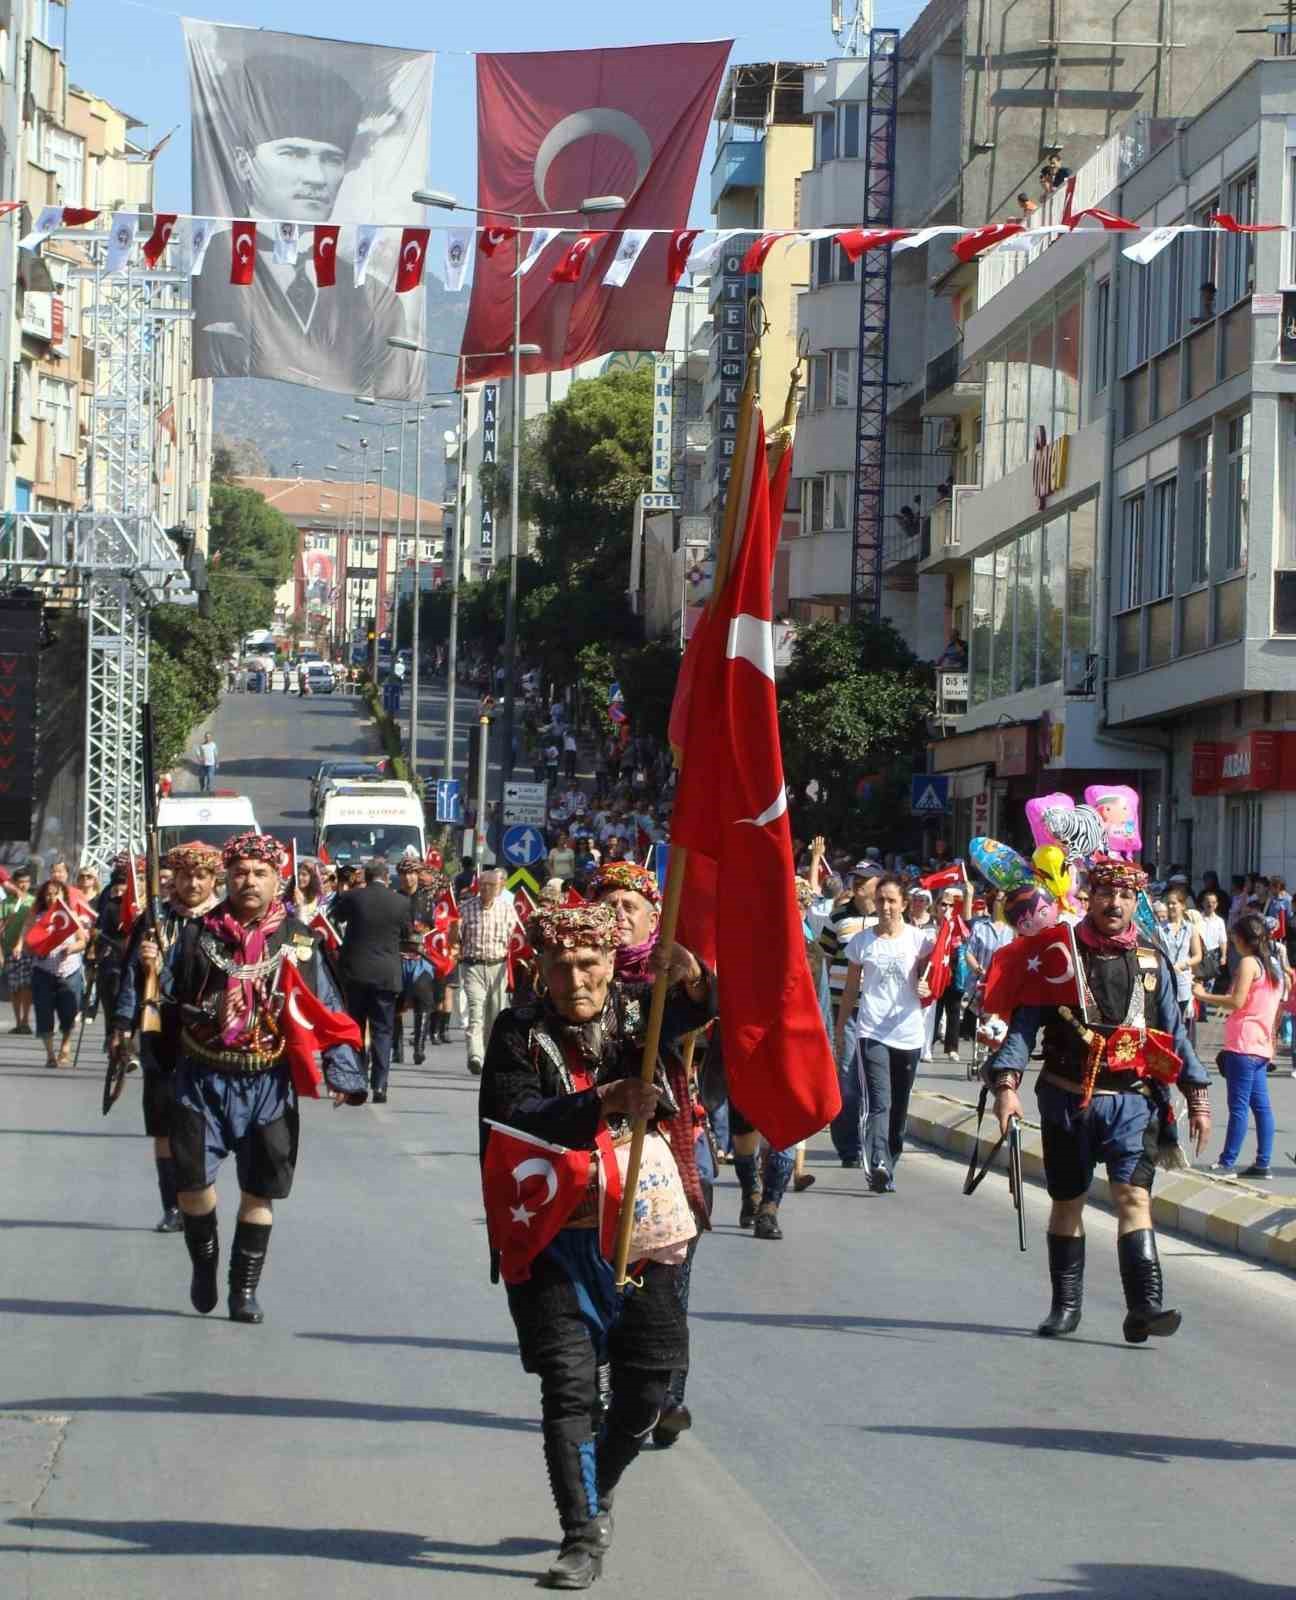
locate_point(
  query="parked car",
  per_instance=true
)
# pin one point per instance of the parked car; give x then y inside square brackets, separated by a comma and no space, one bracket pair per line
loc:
[319,677]
[375,767]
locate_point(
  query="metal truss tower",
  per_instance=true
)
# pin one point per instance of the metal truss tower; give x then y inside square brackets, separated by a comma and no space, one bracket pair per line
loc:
[874,325]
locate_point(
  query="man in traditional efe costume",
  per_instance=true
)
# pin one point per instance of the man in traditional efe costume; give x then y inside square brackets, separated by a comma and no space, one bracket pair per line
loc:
[1104,1095]
[561,1087]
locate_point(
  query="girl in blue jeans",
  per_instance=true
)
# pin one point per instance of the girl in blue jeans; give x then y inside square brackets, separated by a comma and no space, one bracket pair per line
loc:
[1251,1008]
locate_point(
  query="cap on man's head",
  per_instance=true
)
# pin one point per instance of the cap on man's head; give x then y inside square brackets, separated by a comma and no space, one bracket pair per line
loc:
[919,893]
[866,868]
[285,98]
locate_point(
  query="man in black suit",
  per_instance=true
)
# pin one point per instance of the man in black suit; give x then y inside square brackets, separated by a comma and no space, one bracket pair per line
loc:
[375,919]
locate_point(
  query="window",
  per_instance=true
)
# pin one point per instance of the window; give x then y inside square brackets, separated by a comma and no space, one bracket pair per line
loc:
[1080,578]
[848,131]
[819,375]
[823,262]
[1066,368]
[57,405]
[1202,280]
[826,503]
[1052,598]
[1239,248]
[1160,573]
[992,420]
[64,154]
[1200,451]
[843,377]
[49,22]
[1131,566]
[1026,663]
[827,137]
[1237,492]
[1033,381]
[846,268]
[1102,316]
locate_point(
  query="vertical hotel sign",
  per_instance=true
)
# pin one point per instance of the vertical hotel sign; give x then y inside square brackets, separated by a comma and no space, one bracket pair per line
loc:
[663,425]
[731,314]
[489,456]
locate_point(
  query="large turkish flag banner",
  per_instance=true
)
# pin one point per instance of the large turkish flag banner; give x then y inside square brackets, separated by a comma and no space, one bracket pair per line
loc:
[557,127]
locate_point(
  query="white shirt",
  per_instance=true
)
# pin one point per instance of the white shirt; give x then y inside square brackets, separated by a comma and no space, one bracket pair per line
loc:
[1214,935]
[890,1011]
[207,751]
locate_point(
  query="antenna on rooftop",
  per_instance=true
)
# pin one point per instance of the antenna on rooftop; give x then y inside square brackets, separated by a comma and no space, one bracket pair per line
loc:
[852,35]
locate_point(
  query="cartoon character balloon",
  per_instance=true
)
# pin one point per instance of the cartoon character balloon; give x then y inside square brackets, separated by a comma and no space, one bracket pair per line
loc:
[1051,869]
[1000,864]
[1056,819]
[1118,806]
[1031,909]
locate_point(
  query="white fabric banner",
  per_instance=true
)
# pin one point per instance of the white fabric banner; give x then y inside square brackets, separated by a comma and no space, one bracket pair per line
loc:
[626,259]
[287,242]
[459,244]
[535,249]
[121,239]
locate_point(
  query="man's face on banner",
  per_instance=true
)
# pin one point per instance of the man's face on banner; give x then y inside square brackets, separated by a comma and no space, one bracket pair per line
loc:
[292,179]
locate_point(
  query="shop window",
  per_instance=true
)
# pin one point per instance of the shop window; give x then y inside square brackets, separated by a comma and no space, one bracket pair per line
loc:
[1026,596]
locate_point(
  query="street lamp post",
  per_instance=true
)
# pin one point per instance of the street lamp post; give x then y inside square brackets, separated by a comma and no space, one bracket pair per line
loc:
[446,202]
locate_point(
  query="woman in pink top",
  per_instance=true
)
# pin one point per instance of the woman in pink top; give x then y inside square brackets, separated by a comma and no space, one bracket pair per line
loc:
[1250,1007]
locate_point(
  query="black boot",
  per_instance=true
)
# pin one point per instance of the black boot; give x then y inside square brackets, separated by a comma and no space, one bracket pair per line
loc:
[1140,1270]
[749,1183]
[571,1463]
[204,1251]
[398,1044]
[443,1035]
[420,1028]
[251,1241]
[676,1418]
[166,1177]
[619,1444]
[767,1222]
[1066,1270]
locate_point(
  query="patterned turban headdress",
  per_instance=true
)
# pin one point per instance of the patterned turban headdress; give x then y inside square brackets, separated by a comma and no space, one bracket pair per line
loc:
[254,847]
[625,875]
[572,928]
[804,893]
[1115,872]
[193,856]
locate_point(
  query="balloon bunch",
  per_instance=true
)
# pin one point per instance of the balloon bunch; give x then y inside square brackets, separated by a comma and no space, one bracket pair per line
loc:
[1037,891]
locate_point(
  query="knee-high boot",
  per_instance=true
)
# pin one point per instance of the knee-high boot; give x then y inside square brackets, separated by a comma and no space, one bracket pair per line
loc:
[749,1183]
[1066,1270]
[166,1178]
[251,1242]
[204,1251]
[1140,1270]
[420,1026]
[570,1458]
[775,1177]
[398,1042]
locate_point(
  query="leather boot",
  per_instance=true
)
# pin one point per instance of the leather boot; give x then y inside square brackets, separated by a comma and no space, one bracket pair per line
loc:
[204,1251]
[749,1183]
[420,1027]
[443,1036]
[166,1176]
[1140,1270]
[571,1462]
[398,1043]
[767,1222]
[251,1241]
[617,1448]
[1066,1271]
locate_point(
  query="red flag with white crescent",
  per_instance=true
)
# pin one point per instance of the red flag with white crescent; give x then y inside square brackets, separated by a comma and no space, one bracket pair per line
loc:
[971,245]
[324,243]
[309,1028]
[242,253]
[1037,971]
[855,241]
[320,924]
[529,1189]
[46,934]
[754,260]
[678,252]
[157,241]
[555,127]
[731,810]
[569,267]
[413,254]
[492,238]
[132,902]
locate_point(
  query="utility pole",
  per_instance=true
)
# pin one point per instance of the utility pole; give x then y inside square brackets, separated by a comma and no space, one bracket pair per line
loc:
[483,759]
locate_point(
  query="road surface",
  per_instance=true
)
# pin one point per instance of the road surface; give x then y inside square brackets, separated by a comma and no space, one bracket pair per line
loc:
[873,1415]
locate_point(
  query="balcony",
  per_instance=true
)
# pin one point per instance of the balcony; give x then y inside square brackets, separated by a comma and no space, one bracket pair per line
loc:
[739,164]
[945,553]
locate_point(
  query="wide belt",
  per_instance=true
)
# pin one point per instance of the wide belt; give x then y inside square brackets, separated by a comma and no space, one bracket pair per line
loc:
[1105,1084]
[243,1063]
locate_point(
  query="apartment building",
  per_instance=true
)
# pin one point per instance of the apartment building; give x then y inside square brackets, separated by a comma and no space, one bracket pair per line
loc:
[986,95]
[1124,593]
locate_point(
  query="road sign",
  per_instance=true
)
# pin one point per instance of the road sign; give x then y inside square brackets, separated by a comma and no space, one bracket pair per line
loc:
[525,802]
[954,686]
[523,877]
[929,794]
[523,846]
[449,800]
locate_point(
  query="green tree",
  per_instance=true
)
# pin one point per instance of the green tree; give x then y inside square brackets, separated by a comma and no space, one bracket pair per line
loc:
[852,707]
[647,675]
[250,536]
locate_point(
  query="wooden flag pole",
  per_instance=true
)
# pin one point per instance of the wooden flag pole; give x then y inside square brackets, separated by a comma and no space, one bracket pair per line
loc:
[739,483]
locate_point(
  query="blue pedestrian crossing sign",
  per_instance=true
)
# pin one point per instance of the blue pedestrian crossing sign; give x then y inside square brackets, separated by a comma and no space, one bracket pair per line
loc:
[449,800]
[523,846]
[929,794]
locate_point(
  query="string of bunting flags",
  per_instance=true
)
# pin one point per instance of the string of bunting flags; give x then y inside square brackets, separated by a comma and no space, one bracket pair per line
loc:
[694,250]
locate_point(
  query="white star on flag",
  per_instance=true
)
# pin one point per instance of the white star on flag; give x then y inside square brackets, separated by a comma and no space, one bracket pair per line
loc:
[522,1215]
[539,239]
[1033,964]
[628,253]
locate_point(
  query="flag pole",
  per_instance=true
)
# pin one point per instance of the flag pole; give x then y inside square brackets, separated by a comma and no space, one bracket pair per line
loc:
[739,484]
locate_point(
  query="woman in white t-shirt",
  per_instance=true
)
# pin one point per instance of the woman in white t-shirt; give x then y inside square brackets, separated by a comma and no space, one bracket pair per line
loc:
[886,978]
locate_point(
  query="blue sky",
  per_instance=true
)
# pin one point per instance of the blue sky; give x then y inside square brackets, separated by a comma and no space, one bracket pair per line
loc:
[130,52]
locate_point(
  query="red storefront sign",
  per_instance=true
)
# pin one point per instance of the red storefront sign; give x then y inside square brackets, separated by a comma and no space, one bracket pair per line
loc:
[1257,761]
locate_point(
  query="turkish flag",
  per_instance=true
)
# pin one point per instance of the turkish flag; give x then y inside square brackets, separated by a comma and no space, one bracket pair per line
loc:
[529,1189]
[568,269]
[1038,971]
[493,238]
[678,252]
[855,241]
[320,924]
[940,970]
[324,243]
[132,904]
[1110,221]
[970,246]
[556,127]
[157,241]
[731,809]
[49,932]
[309,1027]
[242,253]
[519,949]
[1221,219]
[436,945]
[951,877]
[77,216]
[413,253]
[754,260]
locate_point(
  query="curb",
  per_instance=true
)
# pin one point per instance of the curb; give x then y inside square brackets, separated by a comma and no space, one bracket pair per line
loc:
[1221,1212]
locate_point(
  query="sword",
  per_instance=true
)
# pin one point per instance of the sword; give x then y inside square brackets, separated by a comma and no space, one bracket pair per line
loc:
[1013,1140]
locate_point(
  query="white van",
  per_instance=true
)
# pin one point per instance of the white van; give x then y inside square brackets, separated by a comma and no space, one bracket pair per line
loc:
[361,820]
[209,818]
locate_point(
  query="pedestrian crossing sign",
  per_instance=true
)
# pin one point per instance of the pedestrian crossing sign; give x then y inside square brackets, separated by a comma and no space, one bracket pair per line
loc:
[929,794]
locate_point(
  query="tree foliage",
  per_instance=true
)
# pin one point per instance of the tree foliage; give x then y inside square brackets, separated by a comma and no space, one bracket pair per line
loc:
[647,675]
[852,712]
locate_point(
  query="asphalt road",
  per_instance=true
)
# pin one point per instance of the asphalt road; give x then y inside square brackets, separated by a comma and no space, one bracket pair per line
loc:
[873,1417]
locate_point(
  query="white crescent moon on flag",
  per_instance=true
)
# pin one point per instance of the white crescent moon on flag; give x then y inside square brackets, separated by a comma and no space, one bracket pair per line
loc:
[328,244]
[752,639]
[411,253]
[166,233]
[1068,964]
[244,247]
[295,1014]
[581,125]
[537,1167]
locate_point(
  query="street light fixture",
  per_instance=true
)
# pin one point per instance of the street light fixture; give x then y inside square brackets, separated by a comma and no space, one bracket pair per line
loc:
[593,205]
